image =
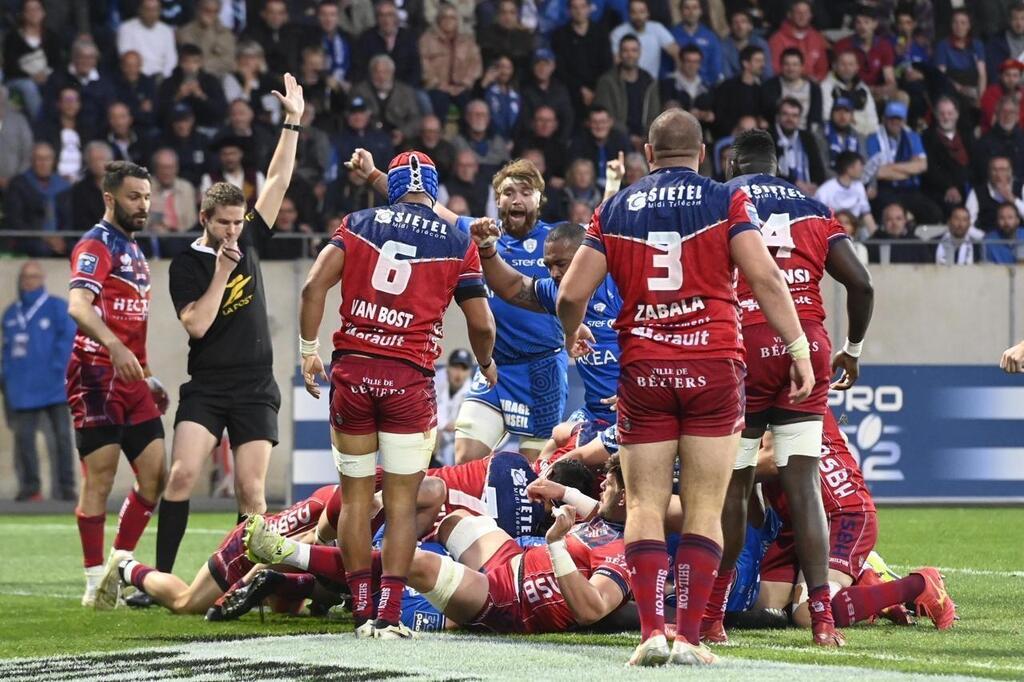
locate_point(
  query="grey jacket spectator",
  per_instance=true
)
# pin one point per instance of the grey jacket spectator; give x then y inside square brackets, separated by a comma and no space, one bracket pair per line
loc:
[491,149]
[390,39]
[15,141]
[392,103]
[212,37]
[36,200]
[612,92]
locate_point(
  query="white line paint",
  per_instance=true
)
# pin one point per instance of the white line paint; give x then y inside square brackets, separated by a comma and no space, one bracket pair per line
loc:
[69,528]
[968,571]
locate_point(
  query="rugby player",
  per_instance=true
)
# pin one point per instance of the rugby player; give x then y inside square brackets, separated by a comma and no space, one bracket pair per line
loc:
[529,398]
[399,267]
[217,289]
[806,242]
[670,241]
[115,401]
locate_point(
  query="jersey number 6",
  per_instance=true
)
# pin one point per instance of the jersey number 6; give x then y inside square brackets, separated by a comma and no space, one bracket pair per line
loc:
[392,275]
[671,260]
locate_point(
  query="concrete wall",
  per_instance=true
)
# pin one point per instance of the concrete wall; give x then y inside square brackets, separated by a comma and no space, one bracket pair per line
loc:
[923,315]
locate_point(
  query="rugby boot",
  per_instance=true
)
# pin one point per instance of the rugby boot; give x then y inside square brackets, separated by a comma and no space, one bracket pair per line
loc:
[684,653]
[263,545]
[651,652]
[935,602]
[109,589]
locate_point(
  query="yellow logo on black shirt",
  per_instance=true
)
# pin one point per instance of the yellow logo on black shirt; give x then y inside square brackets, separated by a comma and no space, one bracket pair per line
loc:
[236,297]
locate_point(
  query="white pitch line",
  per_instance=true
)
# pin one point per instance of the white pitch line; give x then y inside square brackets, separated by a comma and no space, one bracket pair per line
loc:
[30,593]
[67,527]
[968,571]
[898,658]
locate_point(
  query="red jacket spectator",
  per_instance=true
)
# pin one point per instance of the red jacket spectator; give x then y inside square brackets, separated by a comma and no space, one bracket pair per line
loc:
[1010,72]
[797,31]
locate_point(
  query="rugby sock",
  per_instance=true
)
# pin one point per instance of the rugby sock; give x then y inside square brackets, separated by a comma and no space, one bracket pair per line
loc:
[326,562]
[296,586]
[647,561]
[715,610]
[90,531]
[697,560]
[135,514]
[170,529]
[819,602]
[359,586]
[389,608]
[860,602]
[134,573]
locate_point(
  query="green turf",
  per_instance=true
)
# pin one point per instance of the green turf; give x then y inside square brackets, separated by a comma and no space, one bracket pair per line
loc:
[41,583]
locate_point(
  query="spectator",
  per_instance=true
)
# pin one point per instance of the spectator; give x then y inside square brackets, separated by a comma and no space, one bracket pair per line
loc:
[875,55]
[242,123]
[962,58]
[392,103]
[839,135]
[960,244]
[214,39]
[450,60]
[791,82]
[33,203]
[849,223]
[797,31]
[686,89]
[1004,138]
[913,66]
[137,90]
[469,183]
[1008,228]
[1009,83]
[234,169]
[843,82]
[543,135]
[506,36]
[741,33]
[187,143]
[502,98]
[321,91]
[127,143]
[1008,44]
[896,228]
[846,191]
[722,150]
[173,208]
[800,160]
[580,186]
[580,213]
[629,93]
[251,81]
[234,14]
[151,38]
[287,223]
[546,90]
[356,16]
[636,168]
[190,84]
[897,161]
[949,156]
[66,134]
[465,11]
[599,141]
[654,38]
[741,93]
[280,39]
[451,387]
[388,38]
[313,151]
[350,193]
[691,31]
[86,200]
[583,55]
[31,53]
[97,90]
[337,50]
[15,141]
[431,142]
[38,333]
[552,194]
[359,133]
[490,148]
[1001,188]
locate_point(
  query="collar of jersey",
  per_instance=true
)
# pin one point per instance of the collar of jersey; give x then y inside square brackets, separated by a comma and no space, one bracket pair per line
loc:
[202,248]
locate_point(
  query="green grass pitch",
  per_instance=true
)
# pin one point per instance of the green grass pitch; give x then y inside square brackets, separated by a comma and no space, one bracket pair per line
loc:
[981,552]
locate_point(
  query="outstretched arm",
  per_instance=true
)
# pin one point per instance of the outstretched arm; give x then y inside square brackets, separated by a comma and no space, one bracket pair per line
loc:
[325,273]
[279,173]
[509,284]
[844,266]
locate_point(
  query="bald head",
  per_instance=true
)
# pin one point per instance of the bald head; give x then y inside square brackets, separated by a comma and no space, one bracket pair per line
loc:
[675,137]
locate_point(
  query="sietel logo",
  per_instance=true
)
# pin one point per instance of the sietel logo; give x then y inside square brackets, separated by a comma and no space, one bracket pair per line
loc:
[878,458]
[236,297]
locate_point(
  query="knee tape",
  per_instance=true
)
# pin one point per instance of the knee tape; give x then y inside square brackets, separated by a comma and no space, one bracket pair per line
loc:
[799,439]
[355,466]
[448,579]
[532,443]
[406,453]
[480,422]
[747,454]
[466,532]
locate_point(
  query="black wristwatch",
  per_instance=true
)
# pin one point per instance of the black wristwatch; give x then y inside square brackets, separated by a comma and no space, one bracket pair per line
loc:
[292,126]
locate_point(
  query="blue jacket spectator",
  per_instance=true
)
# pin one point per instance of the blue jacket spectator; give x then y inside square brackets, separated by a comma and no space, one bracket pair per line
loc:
[895,143]
[1008,44]
[960,56]
[692,32]
[1008,228]
[741,34]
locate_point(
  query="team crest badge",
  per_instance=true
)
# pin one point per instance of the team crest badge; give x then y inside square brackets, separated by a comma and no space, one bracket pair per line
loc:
[384,215]
[87,264]
[600,307]
[530,245]
[126,259]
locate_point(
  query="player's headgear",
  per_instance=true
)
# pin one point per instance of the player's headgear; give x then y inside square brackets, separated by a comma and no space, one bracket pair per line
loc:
[411,172]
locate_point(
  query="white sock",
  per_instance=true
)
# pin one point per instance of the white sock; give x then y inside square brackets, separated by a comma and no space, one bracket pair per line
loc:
[93,576]
[300,557]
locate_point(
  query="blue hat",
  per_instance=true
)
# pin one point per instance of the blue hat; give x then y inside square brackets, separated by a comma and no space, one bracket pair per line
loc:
[461,356]
[411,172]
[896,109]
[543,55]
[357,104]
[843,103]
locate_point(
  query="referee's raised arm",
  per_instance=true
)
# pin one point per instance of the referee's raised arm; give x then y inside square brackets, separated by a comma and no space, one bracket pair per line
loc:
[279,173]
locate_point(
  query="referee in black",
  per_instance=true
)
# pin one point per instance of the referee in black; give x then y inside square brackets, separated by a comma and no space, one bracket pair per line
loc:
[217,289]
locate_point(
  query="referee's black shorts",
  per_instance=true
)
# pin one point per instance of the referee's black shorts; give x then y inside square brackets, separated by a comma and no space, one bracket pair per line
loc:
[245,403]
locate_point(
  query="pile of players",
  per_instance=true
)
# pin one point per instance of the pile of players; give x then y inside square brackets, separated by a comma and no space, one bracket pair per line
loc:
[565,532]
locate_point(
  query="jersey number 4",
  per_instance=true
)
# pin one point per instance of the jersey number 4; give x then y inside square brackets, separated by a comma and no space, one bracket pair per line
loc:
[392,275]
[776,233]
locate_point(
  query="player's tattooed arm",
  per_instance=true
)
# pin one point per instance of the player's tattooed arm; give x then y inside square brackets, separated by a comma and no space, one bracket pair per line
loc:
[508,284]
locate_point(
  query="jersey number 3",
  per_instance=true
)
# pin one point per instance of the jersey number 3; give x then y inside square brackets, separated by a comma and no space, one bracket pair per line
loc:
[392,275]
[670,260]
[775,232]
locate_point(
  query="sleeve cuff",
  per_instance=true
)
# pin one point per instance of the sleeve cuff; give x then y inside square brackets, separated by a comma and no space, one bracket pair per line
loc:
[739,228]
[594,243]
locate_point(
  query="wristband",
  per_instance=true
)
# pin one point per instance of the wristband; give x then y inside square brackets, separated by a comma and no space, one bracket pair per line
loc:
[799,349]
[853,349]
[292,126]
[307,348]
[561,563]
[372,177]
[486,365]
[494,252]
[154,384]
[584,503]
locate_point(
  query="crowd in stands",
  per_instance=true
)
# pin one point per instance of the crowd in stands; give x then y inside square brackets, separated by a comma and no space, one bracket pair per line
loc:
[896,113]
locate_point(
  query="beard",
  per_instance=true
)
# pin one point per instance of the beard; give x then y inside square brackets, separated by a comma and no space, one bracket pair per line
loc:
[130,222]
[520,221]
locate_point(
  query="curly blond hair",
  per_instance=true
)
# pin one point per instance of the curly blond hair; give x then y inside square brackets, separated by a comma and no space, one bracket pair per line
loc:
[520,170]
[221,194]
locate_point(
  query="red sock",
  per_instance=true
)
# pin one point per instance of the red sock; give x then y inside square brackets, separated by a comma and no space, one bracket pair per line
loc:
[389,608]
[296,586]
[135,573]
[359,586]
[90,531]
[820,604]
[647,561]
[376,571]
[326,562]
[135,514]
[697,560]
[860,602]
[715,610]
